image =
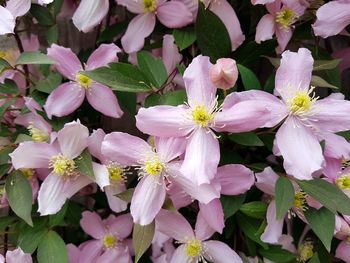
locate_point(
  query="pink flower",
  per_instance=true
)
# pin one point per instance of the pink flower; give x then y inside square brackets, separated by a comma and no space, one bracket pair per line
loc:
[8,15]
[332,18]
[172,14]
[39,129]
[70,95]
[64,180]
[110,244]
[280,21]
[16,256]
[89,14]
[197,119]
[224,73]
[343,233]
[194,245]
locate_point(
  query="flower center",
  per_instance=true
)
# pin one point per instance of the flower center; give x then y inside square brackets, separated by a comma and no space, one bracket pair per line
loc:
[62,165]
[302,102]
[28,173]
[116,173]
[201,116]
[150,5]
[109,241]
[194,248]
[37,134]
[154,167]
[300,200]
[343,182]
[305,251]
[285,18]
[83,81]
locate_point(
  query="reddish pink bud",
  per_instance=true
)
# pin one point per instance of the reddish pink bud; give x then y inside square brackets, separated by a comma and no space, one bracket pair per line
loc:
[224,73]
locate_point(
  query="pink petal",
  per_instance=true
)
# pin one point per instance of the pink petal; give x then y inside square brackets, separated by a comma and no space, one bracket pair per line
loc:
[64,100]
[101,175]
[35,120]
[336,146]
[147,200]
[116,204]
[133,6]
[18,256]
[300,149]
[180,255]
[18,7]
[294,73]
[262,2]
[203,230]
[213,215]
[90,251]
[73,253]
[234,179]
[273,230]
[283,38]
[332,18]
[103,100]
[170,53]
[102,56]
[343,251]
[174,225]
[174,14]
[219,252]
[228,16]
[124,148]
[202,157]
[164,121]
[265,28]
[32,155]
[7,21]
[95,143]
[73,139]
[121,226]
[90,14]
[266,181]
[67,63]
[200,90]
[92,224]
[119,254]
[138,29]
[170,148]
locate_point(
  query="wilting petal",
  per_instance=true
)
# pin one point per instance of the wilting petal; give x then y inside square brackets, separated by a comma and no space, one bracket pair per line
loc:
[234,179]
[174,14]
[18,256]
[170,148]
[73,139]
[164,121]
[121,226]
[213,215]
[133,6]
[7,21]
[64,100]
[294,73]
[89,14]
[228,16]
[116,204]
[332,18]
[283,38]
[343,251]
[147,200]
[203,230]
[101,175]
[219,252]
[202,157]
[266,181]
[200,90]
[273,230]
[67,63]
[124,148]
[102,56]
[32,155]
[18,7]
[170,53]
[174,225]
[95,143]
[265,28]
[138,29]
[92,224]
[300,149]
[180,255]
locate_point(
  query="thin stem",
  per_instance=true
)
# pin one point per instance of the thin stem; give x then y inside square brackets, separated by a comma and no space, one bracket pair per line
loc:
[21,49]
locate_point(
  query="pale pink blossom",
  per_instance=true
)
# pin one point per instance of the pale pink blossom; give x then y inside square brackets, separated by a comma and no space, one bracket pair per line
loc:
[16,256]
[224,73]
[8,14]
[67,97]
[343,233]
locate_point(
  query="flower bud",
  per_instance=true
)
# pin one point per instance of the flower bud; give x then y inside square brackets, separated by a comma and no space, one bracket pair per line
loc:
[224,73]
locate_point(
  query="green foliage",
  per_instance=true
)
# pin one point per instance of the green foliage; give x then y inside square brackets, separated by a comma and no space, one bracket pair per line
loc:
[52,249]
[184,37]
[142,238]
[284,192]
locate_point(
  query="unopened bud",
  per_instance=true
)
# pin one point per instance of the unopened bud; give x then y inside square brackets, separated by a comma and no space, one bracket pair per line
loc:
[224,73]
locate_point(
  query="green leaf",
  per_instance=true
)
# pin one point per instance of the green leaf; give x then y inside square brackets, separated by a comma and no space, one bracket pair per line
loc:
[142,238]
[184,37]
[322,222]
[284,194]
[84,164]
[152,67]
[39,97]
[30,237]
[111,32]
[246,138]
[19,194]
[249,79]
[56,6]
[274,61]
[326,64]
[120,76]
[255,209]
[52,249]
[173,98]
[327,194]
[5,106]
[35,57]
[9,87]
[277,254]
[42,15]
[231,204]
[4,65]
[4,154]
[212,37]
[57,218]
[50,83]
[4,168]
[320,82]
[52,34]
[126,195]
[315,259]
[6,221]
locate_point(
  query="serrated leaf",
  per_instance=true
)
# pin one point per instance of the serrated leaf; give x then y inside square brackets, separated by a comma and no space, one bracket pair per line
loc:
[184,37]
[249,79]
[320,82]
[84,164]
[277,254]
[326,64]
[142,238]
[231,204]
[50,83]
[172,98]
[34,57]
[52,249]
[42,15]
[126,195]
[255,209]
[284,194]
[246,138]
[322,222]
[19,195]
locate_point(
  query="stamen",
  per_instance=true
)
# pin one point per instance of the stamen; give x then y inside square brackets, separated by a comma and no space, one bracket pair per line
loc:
[302,102]
[83,81]
[300,201]
[150,5]
[28,173]
[109,241]
[194,248]
[285,18]
[63,165]
[305,251]
[343,182]
[154,167]
[37,134]
[116,173]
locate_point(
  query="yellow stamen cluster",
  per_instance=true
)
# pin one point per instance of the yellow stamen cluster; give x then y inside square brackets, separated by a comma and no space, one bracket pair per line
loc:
[285,18]
[116,173]
[343,182]
[154,167]
[201,116]
[305,251]
[28,173]
[150,5]
[301,102]
[300,200]
[109,241]
[83,81]
[37,134]
[194,248]
[63,165]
